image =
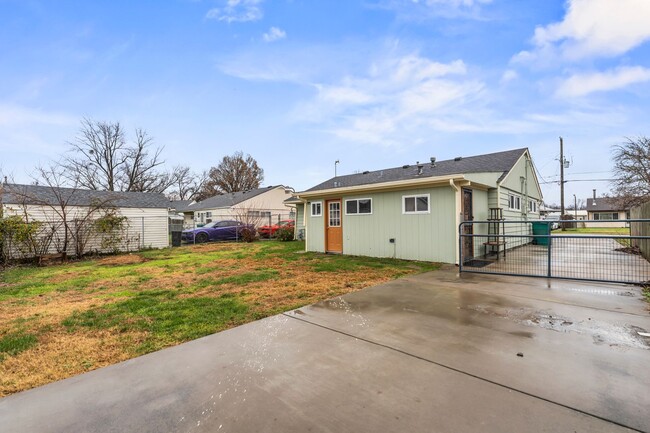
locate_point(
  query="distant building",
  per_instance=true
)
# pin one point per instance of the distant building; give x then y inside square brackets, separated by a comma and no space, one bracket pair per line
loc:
[608,210]
[261,206]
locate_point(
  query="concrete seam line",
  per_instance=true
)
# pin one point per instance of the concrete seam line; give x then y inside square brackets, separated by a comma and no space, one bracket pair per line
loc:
[421,358]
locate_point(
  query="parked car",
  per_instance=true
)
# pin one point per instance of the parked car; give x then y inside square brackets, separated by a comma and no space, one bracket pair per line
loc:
[216,231]
[269,230]
[554,221]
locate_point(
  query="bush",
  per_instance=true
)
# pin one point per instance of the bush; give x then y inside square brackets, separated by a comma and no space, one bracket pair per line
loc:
[248,235]
[284,234]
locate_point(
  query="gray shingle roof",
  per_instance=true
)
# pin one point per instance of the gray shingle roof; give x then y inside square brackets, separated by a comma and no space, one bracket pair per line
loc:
[226,200]
[499,162]
[605,204]
[45,195]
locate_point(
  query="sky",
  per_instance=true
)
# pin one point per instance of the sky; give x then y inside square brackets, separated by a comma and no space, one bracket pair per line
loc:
[301,84]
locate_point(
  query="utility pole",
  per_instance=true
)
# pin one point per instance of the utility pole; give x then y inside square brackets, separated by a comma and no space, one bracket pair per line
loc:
[561,178]
[335,164]
[575,206]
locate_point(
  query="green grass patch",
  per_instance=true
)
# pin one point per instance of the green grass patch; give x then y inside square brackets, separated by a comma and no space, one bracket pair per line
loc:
[337,263]
[646,293]
[16,342]
[600,230]
[165,318]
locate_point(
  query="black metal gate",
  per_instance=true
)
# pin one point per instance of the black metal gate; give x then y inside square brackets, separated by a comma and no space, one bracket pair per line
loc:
[607,251]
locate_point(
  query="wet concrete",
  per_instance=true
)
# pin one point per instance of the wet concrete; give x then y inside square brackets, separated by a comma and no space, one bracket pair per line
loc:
[429,353]
[573,256]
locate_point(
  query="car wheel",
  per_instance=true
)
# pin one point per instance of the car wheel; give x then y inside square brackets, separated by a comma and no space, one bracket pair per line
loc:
[201,237]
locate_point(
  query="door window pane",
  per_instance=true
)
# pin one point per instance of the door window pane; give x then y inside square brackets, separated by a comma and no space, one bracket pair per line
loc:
[335,214]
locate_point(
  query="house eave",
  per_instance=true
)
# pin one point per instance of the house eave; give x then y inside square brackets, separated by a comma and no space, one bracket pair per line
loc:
[384,186]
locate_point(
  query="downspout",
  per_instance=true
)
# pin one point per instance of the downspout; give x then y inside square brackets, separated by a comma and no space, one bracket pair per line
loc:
[458,212]
[526,184]
[304,217]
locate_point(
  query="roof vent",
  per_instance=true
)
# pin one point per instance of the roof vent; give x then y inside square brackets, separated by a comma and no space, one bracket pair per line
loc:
[405,166]
[420,167]
[458,158]
[433,161]
[366,172]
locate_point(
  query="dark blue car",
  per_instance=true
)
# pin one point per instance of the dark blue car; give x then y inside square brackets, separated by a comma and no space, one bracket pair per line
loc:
[216,231]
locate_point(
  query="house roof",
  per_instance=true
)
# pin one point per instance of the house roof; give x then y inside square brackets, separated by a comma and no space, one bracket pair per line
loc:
[605,204]
[226,200]
[45,195]
[499,162]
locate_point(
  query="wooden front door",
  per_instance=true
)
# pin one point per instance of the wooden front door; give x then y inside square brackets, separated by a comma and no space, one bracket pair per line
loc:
[333,227]
[468,229]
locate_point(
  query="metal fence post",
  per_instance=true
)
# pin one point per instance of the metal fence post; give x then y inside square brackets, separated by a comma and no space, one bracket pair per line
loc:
[460,247]
[548,263]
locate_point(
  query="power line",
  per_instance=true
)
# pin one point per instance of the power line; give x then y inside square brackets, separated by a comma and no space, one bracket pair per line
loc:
[580,180]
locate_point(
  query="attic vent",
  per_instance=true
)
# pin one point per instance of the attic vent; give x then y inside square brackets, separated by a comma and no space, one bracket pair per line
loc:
[458,158]
[366,172]
[420,167]
[405,166]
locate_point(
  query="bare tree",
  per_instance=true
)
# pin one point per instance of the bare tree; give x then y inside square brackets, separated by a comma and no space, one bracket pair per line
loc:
[187,184]
[67,217]
[632,170]
[102,159]
[233,174]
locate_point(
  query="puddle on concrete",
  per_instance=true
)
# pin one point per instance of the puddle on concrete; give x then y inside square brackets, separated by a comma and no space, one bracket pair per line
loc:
[601,332]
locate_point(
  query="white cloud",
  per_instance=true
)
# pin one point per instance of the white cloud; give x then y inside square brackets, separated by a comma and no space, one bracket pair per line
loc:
[424,9]
[237,11]
[395,100]
[11,115]
[274,34]
[584,84]
[592,28]
[509,75]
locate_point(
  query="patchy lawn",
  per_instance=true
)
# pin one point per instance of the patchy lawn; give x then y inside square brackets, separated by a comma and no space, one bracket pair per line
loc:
[599,231]
[62,320]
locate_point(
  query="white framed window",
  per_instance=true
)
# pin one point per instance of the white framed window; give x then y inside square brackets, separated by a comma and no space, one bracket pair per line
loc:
[358,206]
[605,215]
[514,202]
[208,214]
[532,206]
[414,204]
[316,208]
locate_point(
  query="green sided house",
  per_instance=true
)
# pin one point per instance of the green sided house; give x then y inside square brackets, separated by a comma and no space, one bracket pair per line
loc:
[414,211]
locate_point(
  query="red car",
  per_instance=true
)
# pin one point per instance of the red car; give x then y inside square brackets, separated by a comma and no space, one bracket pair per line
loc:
[269,231]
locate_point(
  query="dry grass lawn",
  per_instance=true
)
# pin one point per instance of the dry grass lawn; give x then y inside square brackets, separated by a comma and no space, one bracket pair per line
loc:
[62,320]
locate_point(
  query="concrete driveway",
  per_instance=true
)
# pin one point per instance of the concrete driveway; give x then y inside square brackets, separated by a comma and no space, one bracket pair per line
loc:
[435,352]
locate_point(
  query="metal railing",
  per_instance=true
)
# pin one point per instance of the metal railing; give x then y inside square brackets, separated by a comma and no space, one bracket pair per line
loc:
[532,249]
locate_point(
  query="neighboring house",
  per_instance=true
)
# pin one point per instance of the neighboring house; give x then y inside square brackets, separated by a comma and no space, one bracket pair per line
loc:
[413,212]
[545,210]
[146,224]
[260,206]
[606,211]
[579,215]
